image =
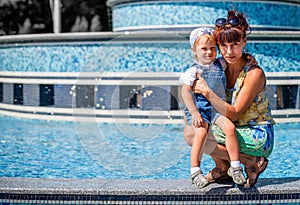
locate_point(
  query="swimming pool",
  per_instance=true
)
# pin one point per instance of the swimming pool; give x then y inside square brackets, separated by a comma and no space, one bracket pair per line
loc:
[52,149]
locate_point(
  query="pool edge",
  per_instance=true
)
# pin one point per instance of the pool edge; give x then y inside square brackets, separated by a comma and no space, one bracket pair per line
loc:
[144,191]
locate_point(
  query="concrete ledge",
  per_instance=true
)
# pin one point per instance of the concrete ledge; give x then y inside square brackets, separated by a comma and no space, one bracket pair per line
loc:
[122,78]
[135,116]
[144,191]
[177,33]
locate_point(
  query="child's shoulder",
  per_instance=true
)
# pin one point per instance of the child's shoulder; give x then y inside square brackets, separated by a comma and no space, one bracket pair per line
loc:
[194,66]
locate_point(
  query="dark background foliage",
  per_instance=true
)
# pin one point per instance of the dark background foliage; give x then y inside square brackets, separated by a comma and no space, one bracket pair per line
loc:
[35,16]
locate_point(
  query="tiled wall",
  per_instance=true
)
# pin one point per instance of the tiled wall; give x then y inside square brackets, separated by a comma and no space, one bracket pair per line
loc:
[141,14]
[138,56]
[156,98]
[8,93]
[63,98]
[148,53]
[122,57]
[31,93]
[108,97]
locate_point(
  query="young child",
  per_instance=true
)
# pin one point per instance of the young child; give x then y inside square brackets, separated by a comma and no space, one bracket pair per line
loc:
[199,113]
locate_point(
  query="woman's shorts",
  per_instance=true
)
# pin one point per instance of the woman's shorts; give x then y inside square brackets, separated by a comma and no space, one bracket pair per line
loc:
[256,140]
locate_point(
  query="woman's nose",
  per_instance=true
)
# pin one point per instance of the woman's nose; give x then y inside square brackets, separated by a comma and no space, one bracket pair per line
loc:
[229,49]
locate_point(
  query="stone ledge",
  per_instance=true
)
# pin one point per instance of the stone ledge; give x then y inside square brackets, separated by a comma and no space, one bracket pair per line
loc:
[141,186]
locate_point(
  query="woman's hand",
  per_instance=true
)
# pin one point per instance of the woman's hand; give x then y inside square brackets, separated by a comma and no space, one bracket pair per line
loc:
[201,87]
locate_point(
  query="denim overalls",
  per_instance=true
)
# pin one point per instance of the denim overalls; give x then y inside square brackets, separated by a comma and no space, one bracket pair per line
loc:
[216,80]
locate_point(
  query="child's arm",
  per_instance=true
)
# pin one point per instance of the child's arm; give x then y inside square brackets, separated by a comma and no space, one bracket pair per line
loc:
[197,120]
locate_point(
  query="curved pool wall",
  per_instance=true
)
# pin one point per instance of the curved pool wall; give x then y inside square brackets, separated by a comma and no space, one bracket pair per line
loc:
[179,15]
[102,71]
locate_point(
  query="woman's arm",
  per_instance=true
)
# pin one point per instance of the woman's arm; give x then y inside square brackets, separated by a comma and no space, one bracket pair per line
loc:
[253,84]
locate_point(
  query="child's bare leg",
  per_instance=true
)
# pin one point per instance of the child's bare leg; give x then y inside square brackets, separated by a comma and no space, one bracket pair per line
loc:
[198,143]
[197,176]
[232,145]
[231,140]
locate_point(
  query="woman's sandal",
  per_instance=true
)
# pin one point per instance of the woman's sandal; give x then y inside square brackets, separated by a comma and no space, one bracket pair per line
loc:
[237,175]
[199,180]
[217,175]
[253,172]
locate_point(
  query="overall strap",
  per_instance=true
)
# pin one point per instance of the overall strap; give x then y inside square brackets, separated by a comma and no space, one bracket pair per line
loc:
[218,64]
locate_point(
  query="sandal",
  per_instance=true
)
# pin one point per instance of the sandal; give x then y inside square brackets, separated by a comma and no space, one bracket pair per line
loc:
[253,172]
[237,175]
[216,175]
[199,180]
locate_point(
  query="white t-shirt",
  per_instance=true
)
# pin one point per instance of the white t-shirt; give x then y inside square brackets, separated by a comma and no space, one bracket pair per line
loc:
[189,76]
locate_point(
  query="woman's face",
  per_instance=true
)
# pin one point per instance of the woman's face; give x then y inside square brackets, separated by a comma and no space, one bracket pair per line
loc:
[232,52]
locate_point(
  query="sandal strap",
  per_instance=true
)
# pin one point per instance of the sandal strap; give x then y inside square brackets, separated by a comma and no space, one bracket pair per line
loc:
[237,175]
[199,180]
[254,171]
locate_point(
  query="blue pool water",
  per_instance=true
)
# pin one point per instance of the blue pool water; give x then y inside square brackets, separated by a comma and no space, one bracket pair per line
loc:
[51,149]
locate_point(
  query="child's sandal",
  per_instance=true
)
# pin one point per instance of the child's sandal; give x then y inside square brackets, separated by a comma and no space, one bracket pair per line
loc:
[237,175]
[199,180]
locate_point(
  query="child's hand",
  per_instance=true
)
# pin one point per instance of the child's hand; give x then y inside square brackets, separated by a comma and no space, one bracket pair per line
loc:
[197,119]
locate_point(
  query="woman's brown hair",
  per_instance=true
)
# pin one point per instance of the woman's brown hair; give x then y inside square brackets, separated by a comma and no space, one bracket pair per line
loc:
[231,33]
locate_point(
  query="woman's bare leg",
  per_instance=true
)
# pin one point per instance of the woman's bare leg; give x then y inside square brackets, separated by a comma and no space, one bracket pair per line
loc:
[189,134]
[219,172]
[220,152]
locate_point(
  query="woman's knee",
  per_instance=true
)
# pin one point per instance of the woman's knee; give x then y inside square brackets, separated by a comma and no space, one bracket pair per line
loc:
[189,134]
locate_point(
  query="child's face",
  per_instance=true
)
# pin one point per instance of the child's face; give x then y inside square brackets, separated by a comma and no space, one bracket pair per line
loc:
[205,50]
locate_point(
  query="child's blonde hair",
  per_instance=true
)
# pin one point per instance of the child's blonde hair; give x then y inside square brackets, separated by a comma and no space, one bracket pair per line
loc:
[198,32]
[209,37]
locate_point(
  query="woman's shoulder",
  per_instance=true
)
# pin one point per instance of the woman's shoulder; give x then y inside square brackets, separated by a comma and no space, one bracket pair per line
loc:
[255,76]
[255,71]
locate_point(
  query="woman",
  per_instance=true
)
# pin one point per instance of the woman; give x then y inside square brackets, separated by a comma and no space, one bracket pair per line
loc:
[247,103]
